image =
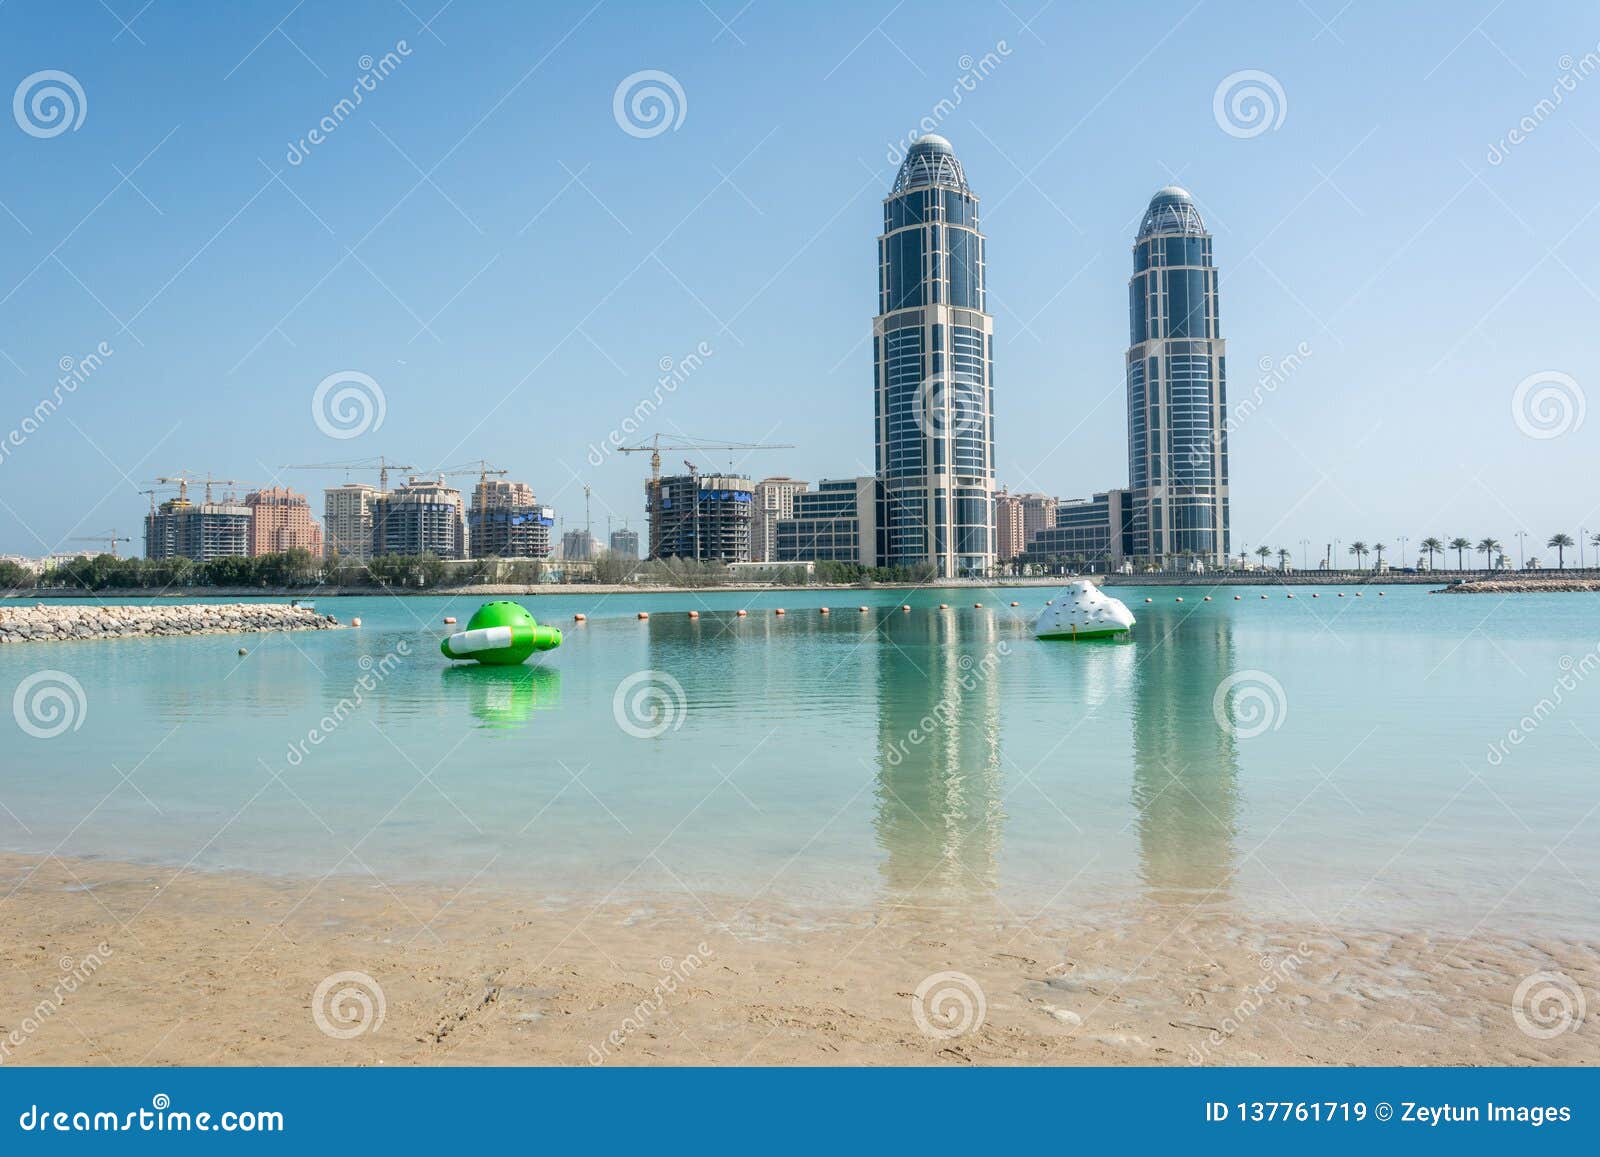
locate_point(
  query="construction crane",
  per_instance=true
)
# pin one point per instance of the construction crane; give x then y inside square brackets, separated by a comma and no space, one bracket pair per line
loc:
[182,479]
[381,464]
[656,445]
[111,539]
[482,470]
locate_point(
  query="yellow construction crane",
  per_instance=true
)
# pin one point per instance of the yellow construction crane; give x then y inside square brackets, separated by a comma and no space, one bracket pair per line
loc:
[182,479]
[111,539]
[656,445]
[381,464]
[482,470]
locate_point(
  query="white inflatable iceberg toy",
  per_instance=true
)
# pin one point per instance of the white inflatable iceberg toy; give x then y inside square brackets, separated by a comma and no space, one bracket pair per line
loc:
[1083,611]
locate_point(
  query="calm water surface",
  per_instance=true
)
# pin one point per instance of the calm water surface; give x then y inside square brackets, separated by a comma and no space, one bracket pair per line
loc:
[1354,766]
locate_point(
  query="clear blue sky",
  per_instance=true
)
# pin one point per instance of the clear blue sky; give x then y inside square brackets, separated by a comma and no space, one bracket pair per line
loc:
[483,239]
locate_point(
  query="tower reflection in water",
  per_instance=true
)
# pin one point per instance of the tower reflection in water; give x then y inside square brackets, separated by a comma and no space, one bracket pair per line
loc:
[939,784]
[1185,763]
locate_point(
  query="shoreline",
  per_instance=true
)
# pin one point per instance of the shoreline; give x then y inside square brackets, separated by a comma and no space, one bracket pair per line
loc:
[174,967]
[1225,579]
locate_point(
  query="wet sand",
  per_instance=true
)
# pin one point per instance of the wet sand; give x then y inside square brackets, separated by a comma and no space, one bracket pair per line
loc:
[104,963]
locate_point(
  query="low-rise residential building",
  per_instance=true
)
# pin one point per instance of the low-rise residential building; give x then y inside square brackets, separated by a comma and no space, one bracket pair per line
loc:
[836,522]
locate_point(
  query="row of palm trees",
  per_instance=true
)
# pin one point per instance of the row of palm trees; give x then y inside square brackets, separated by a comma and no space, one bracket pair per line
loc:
[1493,552]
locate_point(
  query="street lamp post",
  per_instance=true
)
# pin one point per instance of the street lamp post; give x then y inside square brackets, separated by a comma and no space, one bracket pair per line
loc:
[1333,554]
[1305,548]
[1403,541]
[1521,561]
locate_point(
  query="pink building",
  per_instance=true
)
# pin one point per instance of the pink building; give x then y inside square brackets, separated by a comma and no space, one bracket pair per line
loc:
[281,520]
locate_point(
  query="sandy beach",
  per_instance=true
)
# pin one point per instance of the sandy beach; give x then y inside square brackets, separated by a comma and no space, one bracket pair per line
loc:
[115,964]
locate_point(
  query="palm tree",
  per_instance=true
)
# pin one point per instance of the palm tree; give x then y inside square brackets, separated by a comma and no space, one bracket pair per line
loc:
[1283,558]
[1263,553]
[1359,549]
[1560,542]
[1459,544]
[1490,547]
[1378,550]
[1595,542]
[1432,546]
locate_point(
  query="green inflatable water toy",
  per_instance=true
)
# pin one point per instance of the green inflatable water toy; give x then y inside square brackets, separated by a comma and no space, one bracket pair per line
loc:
[501,634]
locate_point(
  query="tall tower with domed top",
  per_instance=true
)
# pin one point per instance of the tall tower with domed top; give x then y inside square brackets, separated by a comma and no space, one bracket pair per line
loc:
[934,372]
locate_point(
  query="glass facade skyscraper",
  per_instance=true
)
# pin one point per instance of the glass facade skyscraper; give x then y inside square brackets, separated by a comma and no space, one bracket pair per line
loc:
[934,370]
[1177,393]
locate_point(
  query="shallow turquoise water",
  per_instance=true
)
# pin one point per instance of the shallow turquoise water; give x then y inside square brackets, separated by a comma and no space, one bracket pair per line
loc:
[833,760]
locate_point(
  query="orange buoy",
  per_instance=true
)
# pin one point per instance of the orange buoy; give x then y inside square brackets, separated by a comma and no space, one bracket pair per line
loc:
[644,614]
[694,614]
[822,610]
[780,611]
[742,614]
[355,622]
[449,620]
[580,618]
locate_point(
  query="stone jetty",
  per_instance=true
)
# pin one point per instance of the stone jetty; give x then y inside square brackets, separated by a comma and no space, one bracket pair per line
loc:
[1521,585]
[43,623]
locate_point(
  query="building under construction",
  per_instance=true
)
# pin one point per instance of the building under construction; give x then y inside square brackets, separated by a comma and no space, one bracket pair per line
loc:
[506,521]
[705,517]
[201,531]
[422,517]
